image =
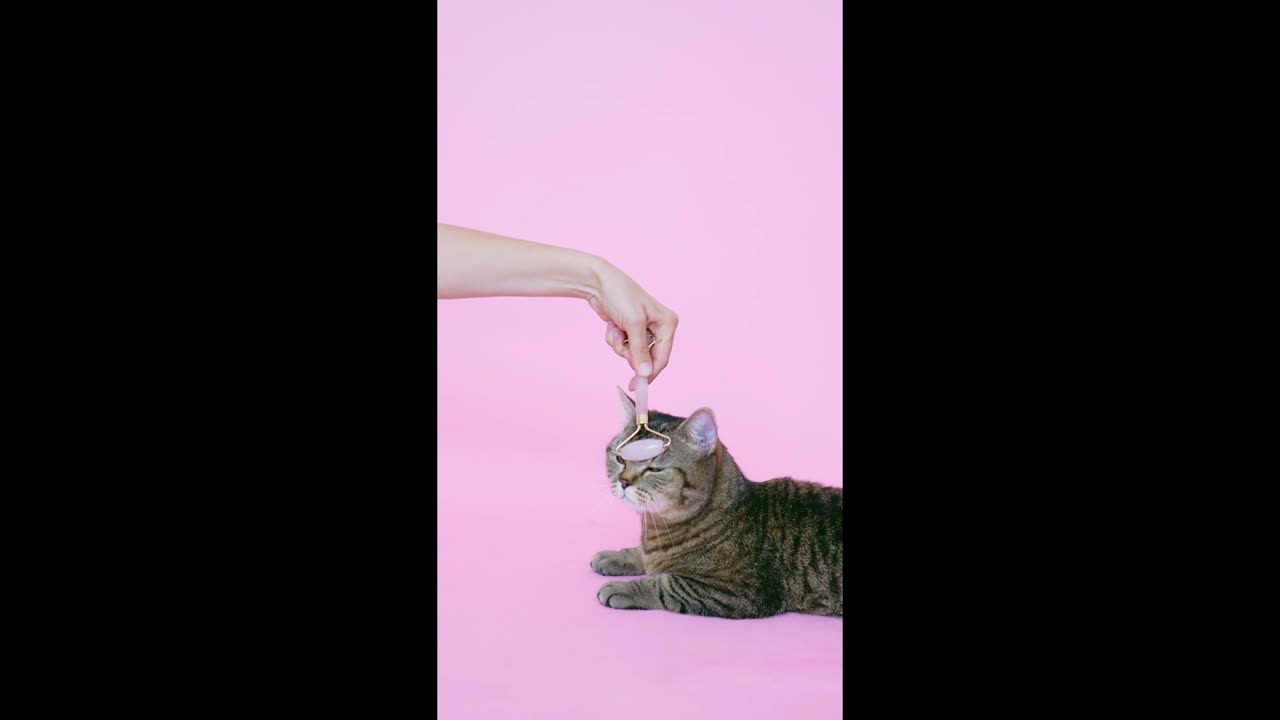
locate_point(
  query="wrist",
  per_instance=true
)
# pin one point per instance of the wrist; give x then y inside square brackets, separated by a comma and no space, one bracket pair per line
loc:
[592,273]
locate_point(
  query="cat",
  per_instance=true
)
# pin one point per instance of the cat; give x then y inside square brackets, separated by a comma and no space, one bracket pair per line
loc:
[714,543]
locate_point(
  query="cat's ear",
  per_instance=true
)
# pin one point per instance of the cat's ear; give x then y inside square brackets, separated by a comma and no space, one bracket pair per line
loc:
[628,407]
[700,430]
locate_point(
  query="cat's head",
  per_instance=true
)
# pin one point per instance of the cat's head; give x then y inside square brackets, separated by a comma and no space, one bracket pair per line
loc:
[678,482]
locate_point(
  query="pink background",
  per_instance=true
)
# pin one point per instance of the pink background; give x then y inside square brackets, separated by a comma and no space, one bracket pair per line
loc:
[696,145]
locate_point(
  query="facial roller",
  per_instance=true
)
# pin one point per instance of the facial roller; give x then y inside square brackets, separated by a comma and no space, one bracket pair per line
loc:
[647,448]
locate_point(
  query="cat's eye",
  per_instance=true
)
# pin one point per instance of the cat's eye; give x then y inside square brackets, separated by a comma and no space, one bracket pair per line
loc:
[619,459]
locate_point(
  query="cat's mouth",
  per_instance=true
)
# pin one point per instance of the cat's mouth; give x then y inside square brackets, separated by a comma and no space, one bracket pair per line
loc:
[652,505]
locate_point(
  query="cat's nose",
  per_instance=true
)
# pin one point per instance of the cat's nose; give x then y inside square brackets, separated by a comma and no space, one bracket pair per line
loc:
[625,482]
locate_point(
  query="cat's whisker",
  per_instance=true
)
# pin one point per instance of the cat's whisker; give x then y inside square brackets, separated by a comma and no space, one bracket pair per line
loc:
[668,525]
[664,521]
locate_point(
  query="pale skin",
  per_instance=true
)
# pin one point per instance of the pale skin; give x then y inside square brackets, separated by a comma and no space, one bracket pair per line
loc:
[472,264]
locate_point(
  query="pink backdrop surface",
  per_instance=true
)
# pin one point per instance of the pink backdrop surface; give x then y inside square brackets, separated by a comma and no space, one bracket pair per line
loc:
[696,145]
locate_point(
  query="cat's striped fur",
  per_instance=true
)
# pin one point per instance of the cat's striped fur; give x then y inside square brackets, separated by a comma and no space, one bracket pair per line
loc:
[715,543]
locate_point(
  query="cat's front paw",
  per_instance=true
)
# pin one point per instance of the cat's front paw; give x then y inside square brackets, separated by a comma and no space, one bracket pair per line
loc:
[616,562]
[620,596]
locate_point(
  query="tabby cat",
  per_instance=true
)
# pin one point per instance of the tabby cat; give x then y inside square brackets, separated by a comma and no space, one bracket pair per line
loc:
[713,542]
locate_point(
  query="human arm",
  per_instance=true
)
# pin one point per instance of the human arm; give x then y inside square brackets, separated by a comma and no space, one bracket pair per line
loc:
[471,263]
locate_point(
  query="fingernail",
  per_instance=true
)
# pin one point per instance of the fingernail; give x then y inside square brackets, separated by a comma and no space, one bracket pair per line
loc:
[644,369]
[613,335]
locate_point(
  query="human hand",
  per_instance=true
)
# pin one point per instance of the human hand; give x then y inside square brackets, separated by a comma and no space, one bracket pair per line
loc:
[631,314]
